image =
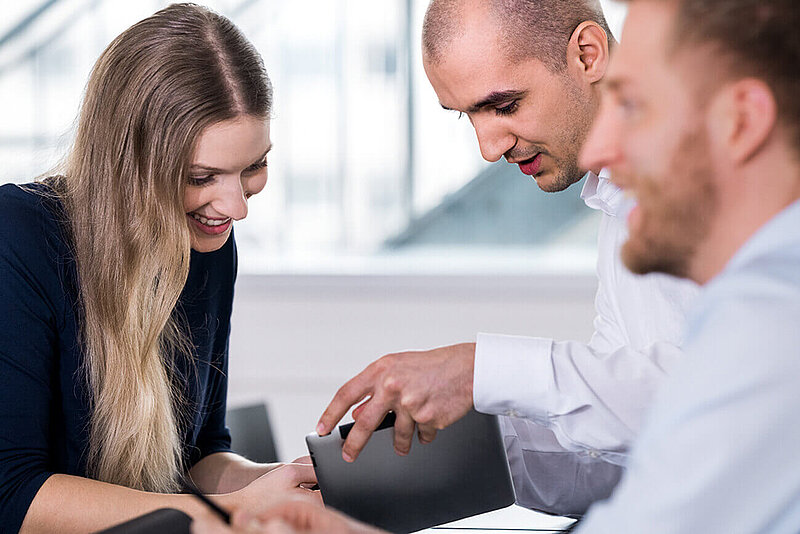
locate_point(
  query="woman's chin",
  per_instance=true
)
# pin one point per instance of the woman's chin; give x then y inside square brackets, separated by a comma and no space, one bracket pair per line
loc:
[208,243]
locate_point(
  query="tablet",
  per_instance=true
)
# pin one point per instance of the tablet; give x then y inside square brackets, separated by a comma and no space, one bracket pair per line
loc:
[463,472]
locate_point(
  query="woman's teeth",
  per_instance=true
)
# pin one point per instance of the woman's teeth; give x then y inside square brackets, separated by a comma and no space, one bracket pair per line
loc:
[208,222]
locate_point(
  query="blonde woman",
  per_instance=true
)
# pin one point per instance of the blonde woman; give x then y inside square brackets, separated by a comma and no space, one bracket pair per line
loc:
[116,285]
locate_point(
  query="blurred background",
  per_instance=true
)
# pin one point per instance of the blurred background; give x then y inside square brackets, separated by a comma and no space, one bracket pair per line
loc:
[381,228]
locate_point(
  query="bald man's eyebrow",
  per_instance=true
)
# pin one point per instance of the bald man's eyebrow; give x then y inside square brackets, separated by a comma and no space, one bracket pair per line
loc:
[493,99]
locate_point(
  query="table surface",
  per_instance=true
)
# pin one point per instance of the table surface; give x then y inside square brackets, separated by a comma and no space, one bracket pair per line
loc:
[512,519]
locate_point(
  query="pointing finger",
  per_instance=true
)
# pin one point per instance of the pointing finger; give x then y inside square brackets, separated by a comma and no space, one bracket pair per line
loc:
[355,390]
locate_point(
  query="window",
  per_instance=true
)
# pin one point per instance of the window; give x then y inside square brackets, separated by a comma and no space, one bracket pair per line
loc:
[368,173]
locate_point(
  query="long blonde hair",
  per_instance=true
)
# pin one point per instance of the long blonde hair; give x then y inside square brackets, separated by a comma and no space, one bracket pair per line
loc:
[150,95]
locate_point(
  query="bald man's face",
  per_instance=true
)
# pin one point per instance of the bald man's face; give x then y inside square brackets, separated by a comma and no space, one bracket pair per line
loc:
[520,110]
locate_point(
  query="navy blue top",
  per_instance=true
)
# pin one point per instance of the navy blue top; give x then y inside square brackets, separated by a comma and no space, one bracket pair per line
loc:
[44,406]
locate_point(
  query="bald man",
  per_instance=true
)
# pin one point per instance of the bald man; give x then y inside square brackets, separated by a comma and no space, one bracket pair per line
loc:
[526,74]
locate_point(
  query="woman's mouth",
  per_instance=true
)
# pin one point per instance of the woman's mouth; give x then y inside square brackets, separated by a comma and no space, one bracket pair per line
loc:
[209,226]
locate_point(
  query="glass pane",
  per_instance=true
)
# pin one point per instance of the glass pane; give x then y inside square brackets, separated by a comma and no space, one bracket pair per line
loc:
[367,169]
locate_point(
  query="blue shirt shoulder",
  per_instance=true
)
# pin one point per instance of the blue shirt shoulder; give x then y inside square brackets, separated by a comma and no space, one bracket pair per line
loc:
[720,444]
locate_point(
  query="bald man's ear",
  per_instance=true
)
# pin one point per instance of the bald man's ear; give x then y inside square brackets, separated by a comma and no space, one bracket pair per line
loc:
[742,118]
[588,51]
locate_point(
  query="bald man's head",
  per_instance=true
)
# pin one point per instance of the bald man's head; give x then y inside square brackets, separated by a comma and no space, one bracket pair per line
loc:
[538,29]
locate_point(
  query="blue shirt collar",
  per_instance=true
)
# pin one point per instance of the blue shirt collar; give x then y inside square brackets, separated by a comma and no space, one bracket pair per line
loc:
[782,232]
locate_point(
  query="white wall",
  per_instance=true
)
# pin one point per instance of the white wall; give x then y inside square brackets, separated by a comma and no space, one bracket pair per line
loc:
[296,339]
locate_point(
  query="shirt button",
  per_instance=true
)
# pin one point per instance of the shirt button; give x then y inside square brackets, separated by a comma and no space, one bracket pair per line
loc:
[512,413]
[594,454]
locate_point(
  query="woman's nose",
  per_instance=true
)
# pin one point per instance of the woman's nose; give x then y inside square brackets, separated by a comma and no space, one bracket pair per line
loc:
[231,200]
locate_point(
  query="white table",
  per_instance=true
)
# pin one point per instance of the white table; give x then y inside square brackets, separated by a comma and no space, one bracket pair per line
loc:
[512,519]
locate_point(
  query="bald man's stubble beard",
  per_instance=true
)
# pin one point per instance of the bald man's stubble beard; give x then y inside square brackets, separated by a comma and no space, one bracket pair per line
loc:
[566,175]
[577,123]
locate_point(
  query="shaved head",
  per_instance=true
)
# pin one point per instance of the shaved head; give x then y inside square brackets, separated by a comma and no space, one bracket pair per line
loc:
[538,29]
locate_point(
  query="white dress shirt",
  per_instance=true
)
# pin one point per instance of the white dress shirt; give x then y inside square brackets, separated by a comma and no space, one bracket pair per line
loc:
[577,407]
[719,451]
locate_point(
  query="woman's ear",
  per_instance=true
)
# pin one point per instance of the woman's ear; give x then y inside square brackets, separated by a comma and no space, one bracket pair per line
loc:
[588,51]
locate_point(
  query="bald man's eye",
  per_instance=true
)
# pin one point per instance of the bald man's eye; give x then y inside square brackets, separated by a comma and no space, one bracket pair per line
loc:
[507,109]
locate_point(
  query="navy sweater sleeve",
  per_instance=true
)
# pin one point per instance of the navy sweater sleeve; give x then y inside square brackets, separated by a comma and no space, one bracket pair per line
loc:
[213,435]
[207,303]
[30,309]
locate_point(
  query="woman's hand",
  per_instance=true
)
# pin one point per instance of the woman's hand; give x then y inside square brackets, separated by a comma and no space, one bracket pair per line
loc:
[288,517]
[285,481]
[227,472]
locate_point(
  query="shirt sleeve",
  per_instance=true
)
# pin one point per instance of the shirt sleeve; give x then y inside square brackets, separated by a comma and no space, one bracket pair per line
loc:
[549,478]
[592,401]
[576,408]
[719,452]
[28,342]
[592,396]
[214,435]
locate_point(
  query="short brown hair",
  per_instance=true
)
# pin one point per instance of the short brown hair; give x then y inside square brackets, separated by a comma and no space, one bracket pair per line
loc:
[538,29]
[751,38]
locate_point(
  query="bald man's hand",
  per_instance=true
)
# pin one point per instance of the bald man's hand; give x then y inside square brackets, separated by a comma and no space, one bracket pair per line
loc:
[430,389]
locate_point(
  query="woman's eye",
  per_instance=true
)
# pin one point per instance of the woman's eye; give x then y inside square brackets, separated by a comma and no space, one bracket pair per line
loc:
[507,109]
[201,180]
[257,166]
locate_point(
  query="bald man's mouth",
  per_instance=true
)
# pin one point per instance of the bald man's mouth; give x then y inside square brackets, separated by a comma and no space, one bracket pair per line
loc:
[531,166]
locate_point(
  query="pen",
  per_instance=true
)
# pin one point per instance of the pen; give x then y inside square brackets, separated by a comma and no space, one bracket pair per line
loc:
[222,514]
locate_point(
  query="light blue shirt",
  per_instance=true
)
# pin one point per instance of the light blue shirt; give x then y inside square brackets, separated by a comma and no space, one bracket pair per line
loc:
[720,451]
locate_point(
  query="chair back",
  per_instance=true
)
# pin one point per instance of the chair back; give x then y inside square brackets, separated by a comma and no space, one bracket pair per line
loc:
[251,433]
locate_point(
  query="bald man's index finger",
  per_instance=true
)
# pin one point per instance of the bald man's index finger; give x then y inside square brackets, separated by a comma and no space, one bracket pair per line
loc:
[352,392]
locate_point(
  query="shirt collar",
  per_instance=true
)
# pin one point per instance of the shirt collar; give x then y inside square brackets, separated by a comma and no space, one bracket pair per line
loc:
[779,233]
[600,194]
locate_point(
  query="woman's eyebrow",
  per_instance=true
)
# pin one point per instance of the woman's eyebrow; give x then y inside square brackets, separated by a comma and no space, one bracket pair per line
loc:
[204,167]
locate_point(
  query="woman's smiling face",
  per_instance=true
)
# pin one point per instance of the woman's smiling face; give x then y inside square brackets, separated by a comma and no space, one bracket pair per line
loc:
[229,166]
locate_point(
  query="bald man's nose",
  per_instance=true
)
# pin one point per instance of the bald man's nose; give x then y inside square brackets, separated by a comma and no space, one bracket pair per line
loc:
[493,141]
